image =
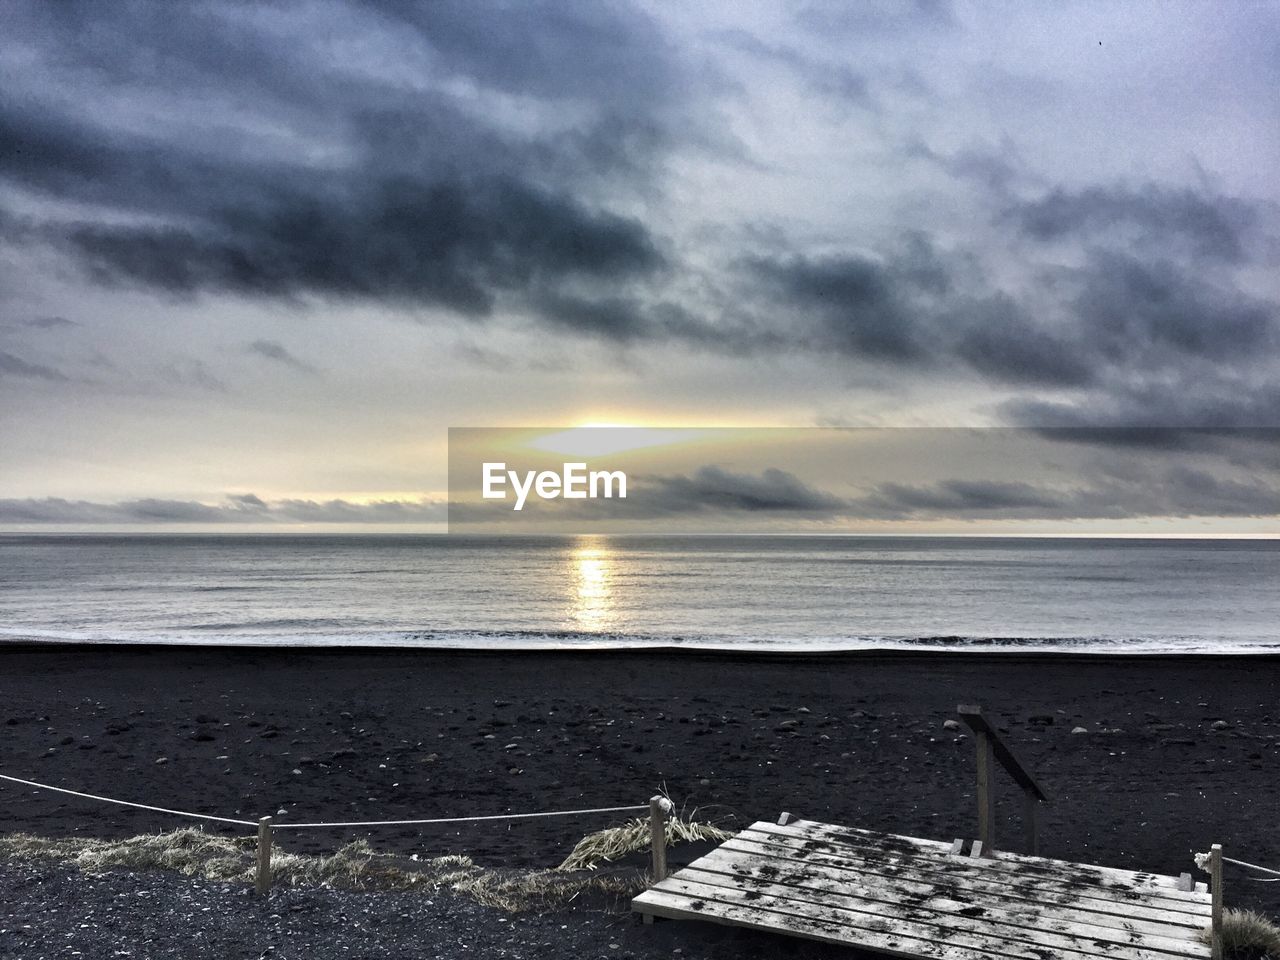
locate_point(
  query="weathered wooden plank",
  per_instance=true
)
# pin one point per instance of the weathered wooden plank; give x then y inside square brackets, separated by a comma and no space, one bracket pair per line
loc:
[905,938]
[679,907]
[957,868]
[1077,884]
[947,908]
[758,860]
[1060,871]
[922,877]
[1141,878]
[967,871]
[807,901]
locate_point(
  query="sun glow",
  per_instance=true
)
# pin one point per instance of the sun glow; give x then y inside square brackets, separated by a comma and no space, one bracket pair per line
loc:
[591,576]
[602,439]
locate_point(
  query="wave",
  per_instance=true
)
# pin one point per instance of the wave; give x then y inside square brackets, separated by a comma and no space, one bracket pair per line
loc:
[532,640]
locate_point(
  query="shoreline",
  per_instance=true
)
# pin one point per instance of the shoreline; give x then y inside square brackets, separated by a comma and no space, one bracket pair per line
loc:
[889,653]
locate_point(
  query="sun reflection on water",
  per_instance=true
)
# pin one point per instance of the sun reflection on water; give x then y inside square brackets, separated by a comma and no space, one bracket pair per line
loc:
[591,573]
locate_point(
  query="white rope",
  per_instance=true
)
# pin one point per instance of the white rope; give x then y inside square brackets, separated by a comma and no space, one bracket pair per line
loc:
[1254,866]
[127,803]
[497,816]
[301,826]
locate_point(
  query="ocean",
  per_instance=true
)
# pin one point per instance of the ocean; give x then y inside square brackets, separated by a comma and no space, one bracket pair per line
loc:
[749,593]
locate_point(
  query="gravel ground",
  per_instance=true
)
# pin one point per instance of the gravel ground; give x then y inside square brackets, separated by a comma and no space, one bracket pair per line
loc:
[49,911]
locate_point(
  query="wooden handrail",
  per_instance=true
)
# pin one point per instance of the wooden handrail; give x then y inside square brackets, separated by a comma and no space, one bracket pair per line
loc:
[990,749]
[973,717]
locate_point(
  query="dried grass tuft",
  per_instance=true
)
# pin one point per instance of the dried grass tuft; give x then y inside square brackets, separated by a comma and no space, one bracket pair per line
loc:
[1248,935]
[357,866]
[610,844]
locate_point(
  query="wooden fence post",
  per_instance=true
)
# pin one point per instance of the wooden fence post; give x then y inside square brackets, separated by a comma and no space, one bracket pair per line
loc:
[658,808]
[262,884]
[1215,883]
[986,795]
[1031,820]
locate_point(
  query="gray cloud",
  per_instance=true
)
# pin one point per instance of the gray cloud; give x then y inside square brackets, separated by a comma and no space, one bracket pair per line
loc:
[14,366]
[49,323]
[278,353]
[243,508]
[1203,224]
[876,308]
[715,489]
[824,77]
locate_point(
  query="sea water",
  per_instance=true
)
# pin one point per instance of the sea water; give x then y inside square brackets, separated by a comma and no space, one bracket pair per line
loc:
[751,593]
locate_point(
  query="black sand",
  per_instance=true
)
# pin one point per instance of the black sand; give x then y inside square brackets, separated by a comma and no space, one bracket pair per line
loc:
[1179,753]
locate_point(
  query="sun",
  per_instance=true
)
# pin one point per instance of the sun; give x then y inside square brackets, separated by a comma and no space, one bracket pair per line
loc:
[606,439]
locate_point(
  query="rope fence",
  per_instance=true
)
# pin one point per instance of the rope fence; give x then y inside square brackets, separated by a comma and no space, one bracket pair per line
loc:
[130,803]
[659,809]
[1253,866]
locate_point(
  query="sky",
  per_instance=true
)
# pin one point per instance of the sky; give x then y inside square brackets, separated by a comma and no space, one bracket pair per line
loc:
[257,259]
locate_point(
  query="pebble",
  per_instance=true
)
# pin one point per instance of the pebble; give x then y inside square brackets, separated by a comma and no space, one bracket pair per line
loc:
[1079,730]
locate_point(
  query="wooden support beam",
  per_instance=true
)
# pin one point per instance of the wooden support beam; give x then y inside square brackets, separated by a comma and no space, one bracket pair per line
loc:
[986,792]
[1031,822]
[1215,888]
[262,882]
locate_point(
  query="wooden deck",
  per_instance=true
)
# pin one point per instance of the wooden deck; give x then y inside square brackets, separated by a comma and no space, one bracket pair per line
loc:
[922,898]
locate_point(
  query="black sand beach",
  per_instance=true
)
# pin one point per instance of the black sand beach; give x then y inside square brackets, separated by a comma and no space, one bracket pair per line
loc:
[1178,754]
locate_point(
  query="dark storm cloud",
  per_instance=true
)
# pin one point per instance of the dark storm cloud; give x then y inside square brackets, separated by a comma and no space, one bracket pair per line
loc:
[919,306]
[1125,306]
[876,308]
[277,352]
[1146,412]
[1209,226]
[14,366]
[413,198]
[450,244]
[241,508]
[49,323]
[1000,339]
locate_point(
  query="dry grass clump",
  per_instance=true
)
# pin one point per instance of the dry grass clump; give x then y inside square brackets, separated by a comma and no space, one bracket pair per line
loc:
[357,866]
[633,836]
[190,852]
[1248,935]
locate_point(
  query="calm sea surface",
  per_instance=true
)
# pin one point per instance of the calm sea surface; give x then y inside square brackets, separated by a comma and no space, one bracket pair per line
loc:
[778,592]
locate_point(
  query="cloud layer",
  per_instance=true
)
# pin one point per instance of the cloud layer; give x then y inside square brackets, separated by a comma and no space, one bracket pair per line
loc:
[797,213]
